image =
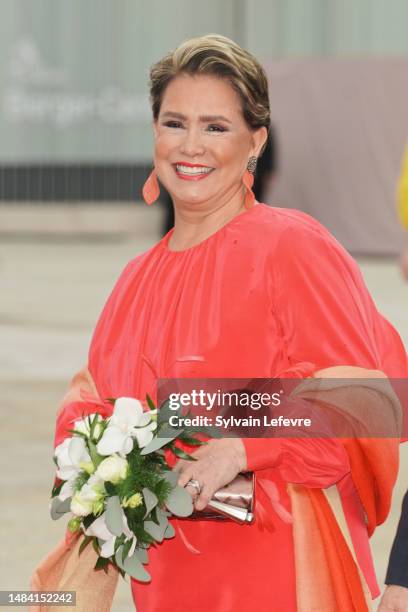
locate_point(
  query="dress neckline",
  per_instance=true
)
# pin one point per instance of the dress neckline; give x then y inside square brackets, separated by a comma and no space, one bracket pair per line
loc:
[165,240]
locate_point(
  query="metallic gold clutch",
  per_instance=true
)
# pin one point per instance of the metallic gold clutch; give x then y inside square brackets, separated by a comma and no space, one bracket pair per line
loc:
[235,501]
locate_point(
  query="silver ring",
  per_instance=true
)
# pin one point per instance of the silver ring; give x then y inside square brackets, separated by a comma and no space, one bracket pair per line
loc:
[194,483]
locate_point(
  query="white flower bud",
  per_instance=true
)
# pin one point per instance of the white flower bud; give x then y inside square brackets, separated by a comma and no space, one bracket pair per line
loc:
[80,506]
[113,469]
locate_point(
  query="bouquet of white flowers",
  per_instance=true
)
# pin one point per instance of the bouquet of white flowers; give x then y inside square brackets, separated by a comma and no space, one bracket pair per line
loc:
[114,479]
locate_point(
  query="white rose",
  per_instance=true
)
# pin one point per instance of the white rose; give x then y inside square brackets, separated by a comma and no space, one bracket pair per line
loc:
[113,469]
[89,497]
[80,506]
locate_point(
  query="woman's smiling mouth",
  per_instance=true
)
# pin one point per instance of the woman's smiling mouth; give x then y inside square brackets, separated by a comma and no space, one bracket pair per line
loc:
[191,172]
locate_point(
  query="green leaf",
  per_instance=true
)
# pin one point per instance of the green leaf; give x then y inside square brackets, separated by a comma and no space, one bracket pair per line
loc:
[170,531]
[156,531]
[141,554]
[179,502]
[192,441]
[95,457]
[59,508]
[212,432]
[84,543]
[180,453]
[166,431]
[162,517]
[114,515]
[155,444]
[119,541]
[125,549]
[101,563]
[78,434]
[163,520]
[150,500]
[56,489]
[164,412]
[92,424]
[122,572]
[150,402]
[95,545]
[171,477]
[110,488]
[133,567]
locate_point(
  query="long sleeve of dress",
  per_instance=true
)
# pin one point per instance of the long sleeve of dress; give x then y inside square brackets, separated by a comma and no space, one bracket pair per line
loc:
[326,317]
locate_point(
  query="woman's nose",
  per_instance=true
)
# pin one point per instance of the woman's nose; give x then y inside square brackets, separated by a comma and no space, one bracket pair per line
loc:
[192,143]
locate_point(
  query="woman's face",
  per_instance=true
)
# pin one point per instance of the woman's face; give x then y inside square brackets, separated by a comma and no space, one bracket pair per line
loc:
[202,142]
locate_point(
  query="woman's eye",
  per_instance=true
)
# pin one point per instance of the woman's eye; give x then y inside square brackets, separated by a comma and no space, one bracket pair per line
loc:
[173,124]
[216,128]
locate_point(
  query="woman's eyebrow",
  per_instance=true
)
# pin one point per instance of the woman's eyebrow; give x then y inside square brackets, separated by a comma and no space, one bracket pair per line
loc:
[203,118]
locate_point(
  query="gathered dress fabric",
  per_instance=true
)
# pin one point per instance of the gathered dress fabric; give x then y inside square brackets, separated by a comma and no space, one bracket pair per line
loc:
[271,292]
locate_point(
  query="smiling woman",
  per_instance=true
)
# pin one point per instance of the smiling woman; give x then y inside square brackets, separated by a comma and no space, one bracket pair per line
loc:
[211,116]
[239,289]
[191,146]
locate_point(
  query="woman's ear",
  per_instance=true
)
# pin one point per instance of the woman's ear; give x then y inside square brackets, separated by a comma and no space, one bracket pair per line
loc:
[259,138]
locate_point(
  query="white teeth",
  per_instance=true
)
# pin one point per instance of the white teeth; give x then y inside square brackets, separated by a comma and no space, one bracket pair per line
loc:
[188,170]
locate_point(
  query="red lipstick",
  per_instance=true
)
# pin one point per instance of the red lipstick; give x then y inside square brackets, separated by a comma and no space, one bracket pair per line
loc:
[195,175]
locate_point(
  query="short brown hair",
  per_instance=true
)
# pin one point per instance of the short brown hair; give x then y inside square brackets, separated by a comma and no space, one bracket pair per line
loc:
[220,57]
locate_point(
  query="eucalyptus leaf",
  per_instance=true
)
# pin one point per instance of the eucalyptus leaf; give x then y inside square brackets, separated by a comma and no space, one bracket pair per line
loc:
[156,531]
[154,445]
[179,502]
[162,517]
[141,554]
[125,549]
[150,500]
[211,432]
[170,432]
[171,477]
[114,515]
[119,541]
[59,508]
[165,412]
[132,566]
[170,531]
[118,557]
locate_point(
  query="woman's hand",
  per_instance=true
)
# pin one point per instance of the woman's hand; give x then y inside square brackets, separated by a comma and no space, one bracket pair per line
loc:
[217,463]
[395,599]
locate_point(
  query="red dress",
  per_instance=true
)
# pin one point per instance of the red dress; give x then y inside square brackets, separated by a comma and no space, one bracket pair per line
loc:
[270,290]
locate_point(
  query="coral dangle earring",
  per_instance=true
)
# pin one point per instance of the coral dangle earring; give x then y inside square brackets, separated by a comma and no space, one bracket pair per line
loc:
[248,181]
[151,189]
